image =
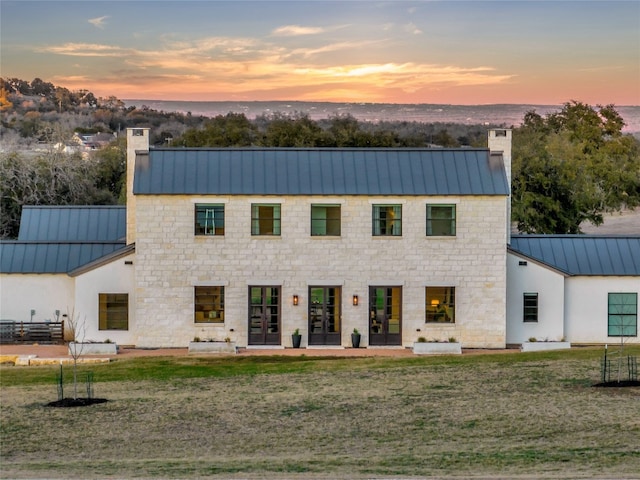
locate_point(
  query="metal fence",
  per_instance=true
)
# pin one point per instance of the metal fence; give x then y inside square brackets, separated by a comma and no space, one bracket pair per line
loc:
[31,332]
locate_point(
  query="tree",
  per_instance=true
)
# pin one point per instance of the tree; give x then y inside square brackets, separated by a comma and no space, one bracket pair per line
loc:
[571,167]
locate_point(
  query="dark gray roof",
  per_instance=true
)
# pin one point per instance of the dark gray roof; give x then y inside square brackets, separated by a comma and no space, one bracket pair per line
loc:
[73,223]
[582,254]
[291,171]
[51,257]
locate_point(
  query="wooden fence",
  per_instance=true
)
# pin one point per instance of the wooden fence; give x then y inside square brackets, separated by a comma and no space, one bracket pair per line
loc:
[31,332]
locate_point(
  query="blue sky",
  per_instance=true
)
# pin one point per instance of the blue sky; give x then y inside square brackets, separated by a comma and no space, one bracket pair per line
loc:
[459,52]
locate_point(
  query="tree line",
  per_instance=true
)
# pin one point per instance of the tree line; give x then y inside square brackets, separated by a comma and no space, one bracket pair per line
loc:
[568,167]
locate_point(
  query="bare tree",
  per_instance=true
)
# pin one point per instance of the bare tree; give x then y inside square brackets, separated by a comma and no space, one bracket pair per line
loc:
[78,329]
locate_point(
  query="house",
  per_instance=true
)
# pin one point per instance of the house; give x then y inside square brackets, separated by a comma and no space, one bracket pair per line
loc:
[583,288]
[252,244]
[67,260]
[85,143]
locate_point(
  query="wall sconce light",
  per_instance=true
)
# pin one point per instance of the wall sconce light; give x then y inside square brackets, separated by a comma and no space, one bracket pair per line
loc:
[295,300]
[355,300]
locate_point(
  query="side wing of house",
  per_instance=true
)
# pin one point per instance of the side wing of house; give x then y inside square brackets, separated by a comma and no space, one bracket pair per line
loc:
[535,300]
[593,280]
[600,309]
[42,294]
[58,247]
[105,297]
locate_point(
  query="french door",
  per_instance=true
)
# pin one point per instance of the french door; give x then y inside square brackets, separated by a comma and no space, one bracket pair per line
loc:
[385,315]
[325,315]
[264,315]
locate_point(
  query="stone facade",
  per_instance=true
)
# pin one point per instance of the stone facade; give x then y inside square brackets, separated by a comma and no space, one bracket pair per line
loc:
[171,260]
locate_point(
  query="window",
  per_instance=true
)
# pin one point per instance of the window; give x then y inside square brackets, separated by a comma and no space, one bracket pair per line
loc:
[209,305]
[138,132]
[623,315]
[530,309]
[440,304]
[113,311]
[325,220]
[265,219]
[209,219]
[387,220]
[441,220]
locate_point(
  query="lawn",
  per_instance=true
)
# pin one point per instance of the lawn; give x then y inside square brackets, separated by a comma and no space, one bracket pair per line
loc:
[505,415]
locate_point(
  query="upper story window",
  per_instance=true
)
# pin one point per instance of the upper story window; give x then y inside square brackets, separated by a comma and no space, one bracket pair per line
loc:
[440,304]
[325,220]
[265,219]
[387,220]
[209,305]
[441,220]
[530,307]
[113,311]
[623,315]
[209,219]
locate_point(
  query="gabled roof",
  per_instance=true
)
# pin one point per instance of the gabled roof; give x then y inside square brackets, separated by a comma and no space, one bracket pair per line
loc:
[325,171]
[51,257]
[73,223]
[582,254]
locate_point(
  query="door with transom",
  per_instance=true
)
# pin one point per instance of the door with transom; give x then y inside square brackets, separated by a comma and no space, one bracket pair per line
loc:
[385,315]
[264,315]
[325,315]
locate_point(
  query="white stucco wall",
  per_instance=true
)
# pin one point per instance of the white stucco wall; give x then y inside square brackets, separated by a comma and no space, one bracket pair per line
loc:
[44,293]
[113,277]
[549,285]
[170,261]
[587,307]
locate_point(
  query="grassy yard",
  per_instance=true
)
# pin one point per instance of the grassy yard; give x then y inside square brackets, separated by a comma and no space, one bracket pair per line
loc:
[504,415]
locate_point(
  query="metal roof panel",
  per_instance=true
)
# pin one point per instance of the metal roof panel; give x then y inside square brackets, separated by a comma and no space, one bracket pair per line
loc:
[51,257]
[280,171]
[582,254]
[86,223]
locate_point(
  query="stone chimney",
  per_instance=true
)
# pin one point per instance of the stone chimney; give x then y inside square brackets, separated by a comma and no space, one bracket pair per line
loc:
[137,141]
[500,142]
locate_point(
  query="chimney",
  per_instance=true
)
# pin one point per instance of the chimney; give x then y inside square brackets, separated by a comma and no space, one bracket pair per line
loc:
[500,142]
[137,141]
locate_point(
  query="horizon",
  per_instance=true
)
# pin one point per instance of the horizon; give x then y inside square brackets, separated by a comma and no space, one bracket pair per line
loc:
[371,103]
[405,52]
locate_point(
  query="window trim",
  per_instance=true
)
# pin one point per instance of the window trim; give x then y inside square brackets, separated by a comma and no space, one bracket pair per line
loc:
[530,313]
[453,219]
[104,319]
[623,325]
[215,232]
[276,220]
[213,316]
[326,220]
[431,308]
[376,225]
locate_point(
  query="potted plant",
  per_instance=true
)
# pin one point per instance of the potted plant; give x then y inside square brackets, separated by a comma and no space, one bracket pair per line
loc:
[296,338]
[355,338]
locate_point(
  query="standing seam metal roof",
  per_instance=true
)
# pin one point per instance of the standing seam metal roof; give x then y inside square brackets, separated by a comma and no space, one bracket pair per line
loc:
[280,171]
[582,254]
[51,257]
[73,223]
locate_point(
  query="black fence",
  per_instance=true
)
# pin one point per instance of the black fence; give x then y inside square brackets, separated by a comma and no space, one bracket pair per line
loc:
[31,332]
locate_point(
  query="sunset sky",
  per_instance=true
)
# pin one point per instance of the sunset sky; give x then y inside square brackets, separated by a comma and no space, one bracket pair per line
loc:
[473,52]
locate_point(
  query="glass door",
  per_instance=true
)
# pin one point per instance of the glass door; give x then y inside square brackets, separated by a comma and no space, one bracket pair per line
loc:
[385,315]
[325,315]
[264,315]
